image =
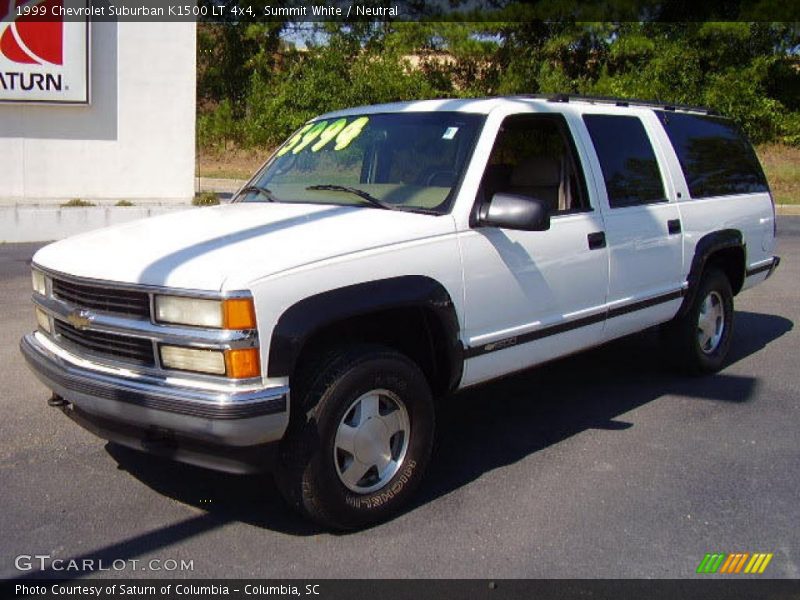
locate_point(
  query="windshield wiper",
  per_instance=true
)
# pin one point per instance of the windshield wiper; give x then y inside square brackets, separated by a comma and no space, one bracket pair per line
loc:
[266,192]
[355,191]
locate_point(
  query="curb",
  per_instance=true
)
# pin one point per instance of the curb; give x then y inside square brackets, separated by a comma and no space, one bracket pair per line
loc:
[226,186]
[788,210]
[48,223]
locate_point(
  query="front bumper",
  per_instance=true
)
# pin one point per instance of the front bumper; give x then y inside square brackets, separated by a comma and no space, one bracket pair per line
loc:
[220,428]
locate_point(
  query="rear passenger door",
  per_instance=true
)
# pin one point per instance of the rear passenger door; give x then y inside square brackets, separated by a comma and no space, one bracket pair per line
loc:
[643,228]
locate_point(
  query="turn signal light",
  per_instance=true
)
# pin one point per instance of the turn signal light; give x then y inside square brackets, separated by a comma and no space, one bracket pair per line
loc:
[242,362]
[238,313]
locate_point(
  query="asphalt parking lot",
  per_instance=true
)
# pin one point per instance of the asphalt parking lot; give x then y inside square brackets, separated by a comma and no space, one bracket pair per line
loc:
[606,464]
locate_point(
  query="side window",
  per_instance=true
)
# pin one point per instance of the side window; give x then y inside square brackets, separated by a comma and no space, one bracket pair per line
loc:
[629,165]
[534,155]
[715,157]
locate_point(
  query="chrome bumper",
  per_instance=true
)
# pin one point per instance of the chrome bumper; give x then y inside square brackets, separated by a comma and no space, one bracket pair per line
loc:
[222,418]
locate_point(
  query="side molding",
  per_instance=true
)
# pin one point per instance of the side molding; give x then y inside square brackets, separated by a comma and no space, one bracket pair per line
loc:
[707,246]
[302,320]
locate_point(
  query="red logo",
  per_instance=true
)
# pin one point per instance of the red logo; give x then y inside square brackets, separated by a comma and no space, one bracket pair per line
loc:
[32,39]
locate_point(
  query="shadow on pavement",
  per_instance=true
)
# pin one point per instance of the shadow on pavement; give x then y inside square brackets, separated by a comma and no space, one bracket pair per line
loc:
[500,423]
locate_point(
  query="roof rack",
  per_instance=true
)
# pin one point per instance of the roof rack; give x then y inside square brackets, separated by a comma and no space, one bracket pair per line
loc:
[620,102]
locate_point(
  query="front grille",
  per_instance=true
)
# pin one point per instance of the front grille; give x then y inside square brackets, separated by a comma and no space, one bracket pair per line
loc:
[106,345]
[110,300]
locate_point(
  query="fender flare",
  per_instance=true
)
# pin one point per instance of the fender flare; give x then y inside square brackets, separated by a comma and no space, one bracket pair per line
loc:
[703,250]
[303,319]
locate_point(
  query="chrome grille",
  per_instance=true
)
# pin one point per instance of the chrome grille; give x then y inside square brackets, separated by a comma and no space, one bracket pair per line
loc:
[110,300]
[105,345]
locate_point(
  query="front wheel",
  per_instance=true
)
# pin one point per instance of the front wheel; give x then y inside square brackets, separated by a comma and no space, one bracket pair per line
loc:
[359,439]
[701,338]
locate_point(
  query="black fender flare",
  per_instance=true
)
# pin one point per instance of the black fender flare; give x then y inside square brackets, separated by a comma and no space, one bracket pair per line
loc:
[302,320]
[706,246]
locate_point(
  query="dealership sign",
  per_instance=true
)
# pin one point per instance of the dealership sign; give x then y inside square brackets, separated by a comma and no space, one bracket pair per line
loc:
[43,57]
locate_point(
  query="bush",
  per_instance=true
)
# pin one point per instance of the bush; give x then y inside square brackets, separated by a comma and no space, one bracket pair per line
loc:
[77,202]
[205,199]
[124,203]
[217,126]
[789,124]
[739,94]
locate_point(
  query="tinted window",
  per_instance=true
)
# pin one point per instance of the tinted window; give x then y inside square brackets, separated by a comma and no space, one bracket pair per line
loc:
[535,156]
[629,165]
[715,157]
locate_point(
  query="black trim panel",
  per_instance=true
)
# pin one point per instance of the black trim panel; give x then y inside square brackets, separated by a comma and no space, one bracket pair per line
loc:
[770,266]
[642,304]
[302,320]
[705,247]
[596,240]
[524,338]
[757,270]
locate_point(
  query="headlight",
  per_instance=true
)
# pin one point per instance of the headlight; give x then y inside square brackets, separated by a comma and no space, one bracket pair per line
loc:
[233,313]
[189,311]
[39,282]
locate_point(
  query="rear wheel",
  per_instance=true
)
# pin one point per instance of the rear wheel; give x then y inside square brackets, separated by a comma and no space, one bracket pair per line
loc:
[359,439]
[701,338]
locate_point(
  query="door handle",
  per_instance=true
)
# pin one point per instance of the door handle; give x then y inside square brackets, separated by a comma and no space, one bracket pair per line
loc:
[674,226]
[597,240]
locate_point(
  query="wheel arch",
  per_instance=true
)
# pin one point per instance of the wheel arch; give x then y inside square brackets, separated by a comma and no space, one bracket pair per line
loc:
[414,314]
[724,249]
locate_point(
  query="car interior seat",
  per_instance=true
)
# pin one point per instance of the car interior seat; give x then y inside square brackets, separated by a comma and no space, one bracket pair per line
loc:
[538,177]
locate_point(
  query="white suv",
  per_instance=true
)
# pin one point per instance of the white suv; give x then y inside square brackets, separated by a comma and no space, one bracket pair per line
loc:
[388,255]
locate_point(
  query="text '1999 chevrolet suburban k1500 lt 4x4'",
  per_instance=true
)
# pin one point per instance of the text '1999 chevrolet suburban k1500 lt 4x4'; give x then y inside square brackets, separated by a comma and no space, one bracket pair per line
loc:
[388,255]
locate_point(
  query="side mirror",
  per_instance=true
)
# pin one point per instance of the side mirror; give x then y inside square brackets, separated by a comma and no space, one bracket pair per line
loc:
[512,211]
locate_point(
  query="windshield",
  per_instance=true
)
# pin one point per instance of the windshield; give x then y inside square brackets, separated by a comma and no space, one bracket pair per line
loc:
[401,161]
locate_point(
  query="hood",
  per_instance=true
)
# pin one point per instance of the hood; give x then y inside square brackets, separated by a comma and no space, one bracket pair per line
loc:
[226,247]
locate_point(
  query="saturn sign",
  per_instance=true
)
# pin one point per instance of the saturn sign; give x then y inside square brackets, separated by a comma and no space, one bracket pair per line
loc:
[43,58]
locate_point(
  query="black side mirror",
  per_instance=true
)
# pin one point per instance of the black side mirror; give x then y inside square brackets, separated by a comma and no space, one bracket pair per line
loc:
[512,211]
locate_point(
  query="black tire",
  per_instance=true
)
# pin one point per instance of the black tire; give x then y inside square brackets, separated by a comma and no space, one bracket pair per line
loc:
[683,333]
[324,393]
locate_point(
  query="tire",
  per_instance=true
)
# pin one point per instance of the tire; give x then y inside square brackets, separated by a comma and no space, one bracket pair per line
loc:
[701,338]
[362,409]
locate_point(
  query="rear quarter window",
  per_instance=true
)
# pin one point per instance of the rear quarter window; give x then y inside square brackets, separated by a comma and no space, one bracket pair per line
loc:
[716,158]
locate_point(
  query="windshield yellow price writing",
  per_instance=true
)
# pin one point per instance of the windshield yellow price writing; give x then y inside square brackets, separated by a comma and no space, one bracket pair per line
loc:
[331,131]
[349,133]
[310,136]
[339,130]
[293,140]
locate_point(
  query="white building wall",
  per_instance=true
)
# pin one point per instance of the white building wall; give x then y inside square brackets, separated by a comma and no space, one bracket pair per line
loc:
[135,141]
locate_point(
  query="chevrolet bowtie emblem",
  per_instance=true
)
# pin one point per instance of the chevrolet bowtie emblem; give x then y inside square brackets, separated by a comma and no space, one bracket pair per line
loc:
[79,319]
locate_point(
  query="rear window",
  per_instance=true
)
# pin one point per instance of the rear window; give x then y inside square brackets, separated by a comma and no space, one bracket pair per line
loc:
[715,157]
[629,165]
